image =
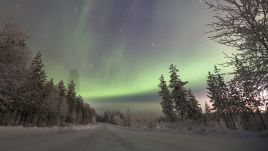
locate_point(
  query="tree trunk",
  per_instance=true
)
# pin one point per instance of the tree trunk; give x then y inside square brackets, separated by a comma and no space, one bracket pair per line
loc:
[38,119]
[2,118]
[262,121]
[232,118]
[245,119]
[16,117]
[48,119]
[256,123]
[25,118]
[21,117]
[225,120]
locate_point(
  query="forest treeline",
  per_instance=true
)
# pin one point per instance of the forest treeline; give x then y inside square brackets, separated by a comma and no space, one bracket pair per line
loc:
[116,117]
[232,103]
[27,97]
[240,102]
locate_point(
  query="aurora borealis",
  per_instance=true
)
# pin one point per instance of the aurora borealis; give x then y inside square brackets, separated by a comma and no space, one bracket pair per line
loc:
[117,49]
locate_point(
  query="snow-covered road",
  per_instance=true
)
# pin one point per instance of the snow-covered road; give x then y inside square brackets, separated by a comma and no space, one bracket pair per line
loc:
[111,138]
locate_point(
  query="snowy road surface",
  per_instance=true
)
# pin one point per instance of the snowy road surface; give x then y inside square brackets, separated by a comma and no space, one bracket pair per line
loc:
[110,138]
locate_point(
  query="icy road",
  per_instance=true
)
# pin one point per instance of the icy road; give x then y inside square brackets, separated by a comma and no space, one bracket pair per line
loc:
[110,138]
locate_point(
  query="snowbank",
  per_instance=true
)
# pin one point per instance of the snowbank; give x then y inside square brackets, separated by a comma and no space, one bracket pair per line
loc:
[185,128]
[9,130]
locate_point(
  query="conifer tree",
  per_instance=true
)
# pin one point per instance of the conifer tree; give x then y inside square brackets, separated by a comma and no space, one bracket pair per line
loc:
[62,90]
[70,96]
[215,93]
[194,111]
[86,115]
[62,106]
[36,88]
[26,98]
[218,93]
[178,93]
[51,104]
[166,103]
[78,109]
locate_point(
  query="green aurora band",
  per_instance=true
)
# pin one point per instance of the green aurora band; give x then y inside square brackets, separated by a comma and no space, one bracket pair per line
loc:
[120,48]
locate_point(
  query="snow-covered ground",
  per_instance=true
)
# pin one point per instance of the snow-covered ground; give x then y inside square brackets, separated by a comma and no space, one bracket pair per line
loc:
[108,137]
[6,131]
[203,131]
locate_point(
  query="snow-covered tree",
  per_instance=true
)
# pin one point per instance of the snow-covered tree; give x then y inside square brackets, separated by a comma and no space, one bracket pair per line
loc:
[79,109]
[220,97]
[243,25]
[26,97]
[239,102]
[62,106]
[70,97]
[216,93]
[194,111]
[178,92]
[166,103]
[86,114]
[35,87]
[61,87]
[14,63]
[51,104]
[251,89]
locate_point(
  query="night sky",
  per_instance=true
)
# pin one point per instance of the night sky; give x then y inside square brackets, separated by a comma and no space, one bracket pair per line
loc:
[116,50]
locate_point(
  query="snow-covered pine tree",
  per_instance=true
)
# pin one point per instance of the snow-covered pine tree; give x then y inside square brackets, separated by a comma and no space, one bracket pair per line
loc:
[86,114]
[38,77]
[61,87]
[62,106]
[166,103]
[194,111]
[25,95]
[35,87]
[218,93]
[51,104]
[215,94]
[178,93]
[70,97]
[79,108]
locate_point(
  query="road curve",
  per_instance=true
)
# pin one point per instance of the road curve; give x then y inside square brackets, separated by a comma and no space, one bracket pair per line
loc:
[111,138]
